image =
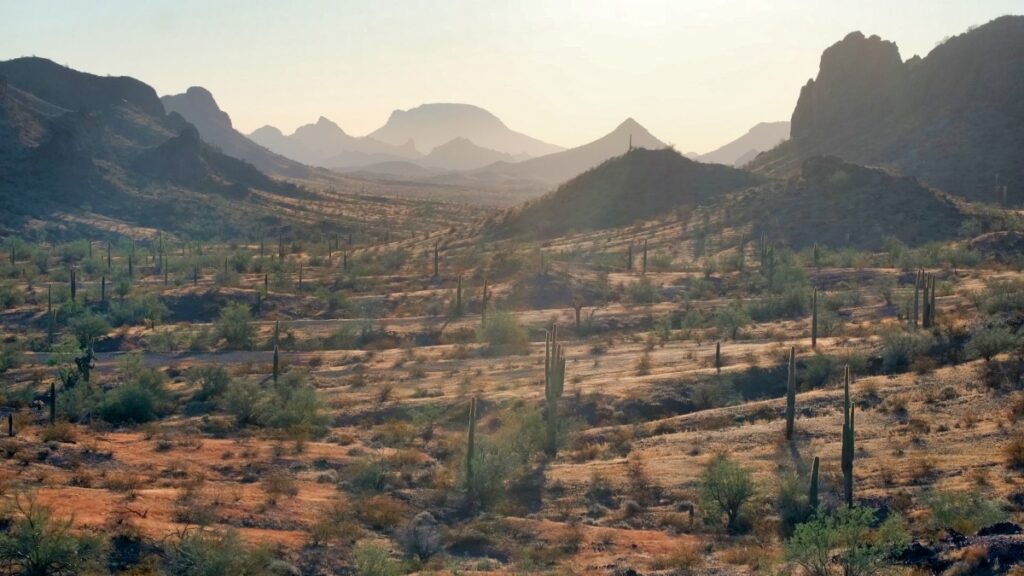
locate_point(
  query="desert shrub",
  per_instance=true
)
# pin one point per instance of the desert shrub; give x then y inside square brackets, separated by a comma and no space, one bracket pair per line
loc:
[643,291]
[292,404]
[792,503]
[726,487]
[899,348]
[793,302]
[988,341]
[374,560]
[10,357]
[966,511]
[213,554]
[848,540]
[37,543]
[1003,297]
[212,380]
[502,457]
[128,404]
[137,310]
[503,334]
[87,328]
[1013,451]
[731,319]
[368,475]
[10,296]
[234,325]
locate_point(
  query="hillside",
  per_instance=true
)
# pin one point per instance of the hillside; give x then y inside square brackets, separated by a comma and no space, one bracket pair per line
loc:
[431,125]
[763,136]
[640,184]
[842,205]
[954,119]
[198,107]
[102,154]
[463,154]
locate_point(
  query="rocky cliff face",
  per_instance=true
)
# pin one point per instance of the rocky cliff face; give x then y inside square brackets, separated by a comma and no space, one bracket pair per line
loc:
[955,118]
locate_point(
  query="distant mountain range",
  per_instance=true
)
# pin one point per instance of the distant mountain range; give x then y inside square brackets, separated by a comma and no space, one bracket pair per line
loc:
[954,118]
[325,144]
[431,125]
[763,136]
[70,140]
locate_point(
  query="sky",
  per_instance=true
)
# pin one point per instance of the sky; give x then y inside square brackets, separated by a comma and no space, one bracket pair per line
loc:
[697,74]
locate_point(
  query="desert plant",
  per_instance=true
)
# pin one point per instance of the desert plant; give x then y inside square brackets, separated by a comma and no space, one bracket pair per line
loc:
[234,325]
[37,544]
[848,448]
[554,385]
[850,540]
[791,393]
[726,487]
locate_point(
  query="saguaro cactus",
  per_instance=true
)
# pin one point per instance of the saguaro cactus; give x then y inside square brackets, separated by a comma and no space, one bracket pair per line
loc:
[10,424]
[814,318]
[554,385]
[718,357]
[917,301]
[848,440]
[791,394]
[629,259]
[645,258]
[277,364]
[812,491]
[103,288]
[436,259]
[471,443]
[485,299]
[74,284]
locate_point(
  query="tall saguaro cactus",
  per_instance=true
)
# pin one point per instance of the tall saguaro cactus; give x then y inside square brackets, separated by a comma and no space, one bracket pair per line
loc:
[814,319]
[849,435]
[718,357]
[471,443]
[791,394]
[554,385]
[629,259]
[458,298]
[277,364]
[645,258]
[436,259]
[485,300]
[812,491]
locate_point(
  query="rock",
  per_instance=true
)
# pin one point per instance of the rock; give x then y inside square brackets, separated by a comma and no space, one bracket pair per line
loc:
[1000,529]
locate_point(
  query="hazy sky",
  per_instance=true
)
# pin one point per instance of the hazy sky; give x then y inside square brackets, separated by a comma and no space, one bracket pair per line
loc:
[697,74]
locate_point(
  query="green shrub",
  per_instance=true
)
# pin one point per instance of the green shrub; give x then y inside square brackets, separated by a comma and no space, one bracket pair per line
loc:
[726,487]
[503,334]
[131,404]
[731,319]
[88,327]
[374,560]
[846,539]
[38,544]
[989,341]
[213,554]
[899,348]
[643,291]
[212,380]
[966,512]
[138,310]
[235,326]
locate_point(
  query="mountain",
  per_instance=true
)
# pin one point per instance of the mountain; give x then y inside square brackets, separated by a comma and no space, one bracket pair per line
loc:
[462,154]
[639,184]
[954,119]
[839,204]
[431,125]
[556,168]
[78,144]
[198,107]
[763,136]
[324,143]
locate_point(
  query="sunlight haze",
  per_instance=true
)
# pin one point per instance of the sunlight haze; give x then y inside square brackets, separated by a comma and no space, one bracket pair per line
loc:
[697,74]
